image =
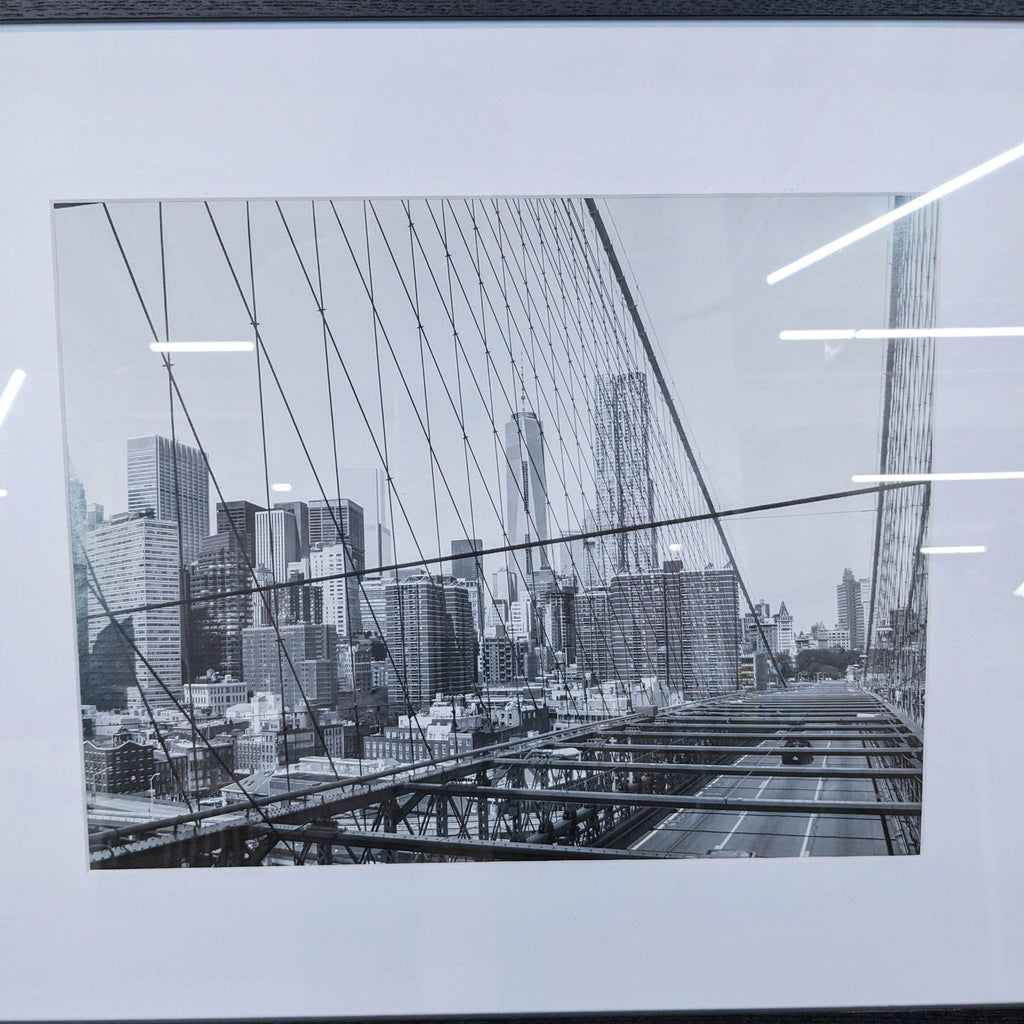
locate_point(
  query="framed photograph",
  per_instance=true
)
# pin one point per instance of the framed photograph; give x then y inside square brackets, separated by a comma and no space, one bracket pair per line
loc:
[561,480]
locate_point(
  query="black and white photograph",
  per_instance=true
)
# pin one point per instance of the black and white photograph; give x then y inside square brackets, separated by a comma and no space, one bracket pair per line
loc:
[499,528]
[571,467]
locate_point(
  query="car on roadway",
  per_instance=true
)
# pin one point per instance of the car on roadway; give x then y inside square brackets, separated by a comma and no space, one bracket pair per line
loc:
[796,752]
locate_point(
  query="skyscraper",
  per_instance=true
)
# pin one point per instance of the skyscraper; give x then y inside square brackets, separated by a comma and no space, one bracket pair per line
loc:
[865,602]
[464,565]
[341,607]
[277,541]
[325,518]
[850,609]
[471,569]
[637,624]
[505,586]
[239,517]
[624,487]
[526,490]
[300,510]
[301,602]
[215,625]
[702,631]
[560,622]
[431,641]
[472,590]
[594,652]
[498,603]
[135,561]
[372,605]
[171,479]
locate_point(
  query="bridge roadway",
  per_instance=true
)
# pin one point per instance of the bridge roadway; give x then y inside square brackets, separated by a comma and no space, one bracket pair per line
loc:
[737,833]
[687,781]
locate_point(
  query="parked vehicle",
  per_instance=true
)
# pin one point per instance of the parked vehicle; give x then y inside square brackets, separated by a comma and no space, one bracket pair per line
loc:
[796,752]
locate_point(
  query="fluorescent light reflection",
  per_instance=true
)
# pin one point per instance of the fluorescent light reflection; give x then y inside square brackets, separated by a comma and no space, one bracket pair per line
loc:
[956,549]
[10,392]
[897,214]
[909,332]
[901,478]
[280,488]
[3,493]
[201,346]
[823,335]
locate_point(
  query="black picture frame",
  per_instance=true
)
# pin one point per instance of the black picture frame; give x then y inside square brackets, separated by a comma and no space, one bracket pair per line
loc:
[81,11]
[28,13]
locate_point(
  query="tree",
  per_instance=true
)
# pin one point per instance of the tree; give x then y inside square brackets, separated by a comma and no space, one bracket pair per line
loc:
[786,666]
[831,661]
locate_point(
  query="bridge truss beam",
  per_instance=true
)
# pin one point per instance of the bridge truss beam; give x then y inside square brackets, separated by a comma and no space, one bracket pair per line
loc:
[581,792]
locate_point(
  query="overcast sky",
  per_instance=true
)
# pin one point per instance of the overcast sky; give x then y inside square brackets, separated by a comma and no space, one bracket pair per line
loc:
[771,420]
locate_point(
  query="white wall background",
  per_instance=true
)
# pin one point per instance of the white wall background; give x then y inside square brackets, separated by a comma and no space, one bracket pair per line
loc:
[454,109]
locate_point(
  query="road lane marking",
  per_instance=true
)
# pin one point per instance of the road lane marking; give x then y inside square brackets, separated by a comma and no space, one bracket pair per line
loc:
[676,815]
[650,835]
[739,820]
[732,832]
[805,848]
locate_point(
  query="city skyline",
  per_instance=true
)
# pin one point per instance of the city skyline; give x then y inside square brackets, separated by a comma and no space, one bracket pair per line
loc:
[226,523]
[724,337]
[293,547]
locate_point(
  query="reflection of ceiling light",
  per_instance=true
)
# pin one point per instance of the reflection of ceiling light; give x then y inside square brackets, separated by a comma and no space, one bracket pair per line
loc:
[9,392]
[899,212]
[3,493]
[956,549]
[1019,592]
[201,346]
[280,487]
[910,332]
[823,335]
[902,478]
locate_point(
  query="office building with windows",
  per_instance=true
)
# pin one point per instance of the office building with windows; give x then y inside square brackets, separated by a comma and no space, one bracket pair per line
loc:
[277,542]
[300,510]
[341,604]
[850,609]
[338,521]
[703,639]
[526,491]
[135,560]
[305,660]
[431,641]
[238,519]
[171,478]
[624,489]
[218,613]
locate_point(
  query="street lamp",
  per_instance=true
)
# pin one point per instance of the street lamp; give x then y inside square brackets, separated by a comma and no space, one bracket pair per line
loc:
[152,792]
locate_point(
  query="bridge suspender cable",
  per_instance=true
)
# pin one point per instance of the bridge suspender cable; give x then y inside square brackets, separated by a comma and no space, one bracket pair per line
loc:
[620,278]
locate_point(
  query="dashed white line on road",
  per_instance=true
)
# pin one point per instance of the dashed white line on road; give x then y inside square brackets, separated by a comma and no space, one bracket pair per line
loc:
[805,850]
[743,814]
